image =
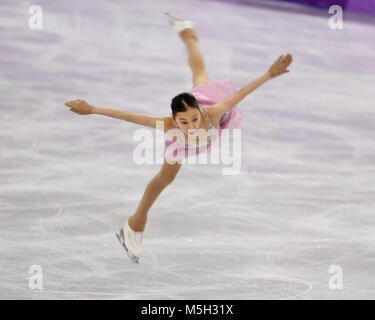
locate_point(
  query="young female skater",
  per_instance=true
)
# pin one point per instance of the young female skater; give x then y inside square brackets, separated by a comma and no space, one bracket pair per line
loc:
[218,102]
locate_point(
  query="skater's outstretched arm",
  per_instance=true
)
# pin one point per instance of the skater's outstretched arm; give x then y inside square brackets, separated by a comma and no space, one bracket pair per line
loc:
[278,68]
[83,108]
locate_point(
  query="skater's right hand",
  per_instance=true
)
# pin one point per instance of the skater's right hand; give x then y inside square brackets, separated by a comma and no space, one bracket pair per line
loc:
[79,106]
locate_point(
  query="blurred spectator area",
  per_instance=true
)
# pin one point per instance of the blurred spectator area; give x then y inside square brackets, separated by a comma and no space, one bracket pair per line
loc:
[355,6]
[358,6]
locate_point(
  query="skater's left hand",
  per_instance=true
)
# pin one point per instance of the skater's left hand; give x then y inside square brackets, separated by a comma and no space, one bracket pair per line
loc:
[280,65]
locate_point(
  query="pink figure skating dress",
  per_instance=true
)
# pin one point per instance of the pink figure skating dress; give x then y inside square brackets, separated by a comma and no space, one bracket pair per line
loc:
[206,94]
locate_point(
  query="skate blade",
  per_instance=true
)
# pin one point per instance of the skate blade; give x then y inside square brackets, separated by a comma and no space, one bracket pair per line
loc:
[131,256]
[172,19]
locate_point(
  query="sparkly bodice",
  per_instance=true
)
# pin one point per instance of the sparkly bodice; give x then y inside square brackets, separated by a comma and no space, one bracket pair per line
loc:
[206,95]
[210,127]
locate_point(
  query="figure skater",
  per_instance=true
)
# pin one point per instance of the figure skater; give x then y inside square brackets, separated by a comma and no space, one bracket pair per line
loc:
[209,105]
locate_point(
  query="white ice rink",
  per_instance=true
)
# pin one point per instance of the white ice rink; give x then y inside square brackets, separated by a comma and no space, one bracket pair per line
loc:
[303,201]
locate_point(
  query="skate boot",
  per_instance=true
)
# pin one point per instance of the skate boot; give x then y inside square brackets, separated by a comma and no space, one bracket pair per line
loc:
[132,242]
[181,25]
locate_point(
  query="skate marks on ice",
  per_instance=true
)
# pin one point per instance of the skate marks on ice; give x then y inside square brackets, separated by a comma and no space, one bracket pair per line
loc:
[202,270]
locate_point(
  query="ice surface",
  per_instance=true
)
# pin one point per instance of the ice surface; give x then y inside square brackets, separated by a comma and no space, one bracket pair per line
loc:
[303,201]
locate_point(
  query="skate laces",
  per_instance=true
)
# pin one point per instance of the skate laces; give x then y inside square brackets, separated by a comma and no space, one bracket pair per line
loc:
[134,236]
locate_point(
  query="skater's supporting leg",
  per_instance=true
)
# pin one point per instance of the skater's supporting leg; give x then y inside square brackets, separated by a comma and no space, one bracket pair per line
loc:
[165,177]
[195,58]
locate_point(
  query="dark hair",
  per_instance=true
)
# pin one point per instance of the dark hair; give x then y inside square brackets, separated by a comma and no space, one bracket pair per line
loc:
[182,101]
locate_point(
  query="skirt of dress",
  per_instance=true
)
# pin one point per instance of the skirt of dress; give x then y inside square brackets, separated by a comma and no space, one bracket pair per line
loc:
[213,92]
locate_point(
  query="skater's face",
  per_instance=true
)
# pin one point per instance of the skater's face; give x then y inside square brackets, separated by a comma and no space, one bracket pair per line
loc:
[189,120]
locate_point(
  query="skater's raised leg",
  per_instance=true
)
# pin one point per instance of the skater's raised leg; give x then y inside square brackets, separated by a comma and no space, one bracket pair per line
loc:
[165,177]
[195,57]
[187,31]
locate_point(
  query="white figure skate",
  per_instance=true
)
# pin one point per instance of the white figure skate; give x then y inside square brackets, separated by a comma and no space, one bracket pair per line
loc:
[132,242]
[179,24]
